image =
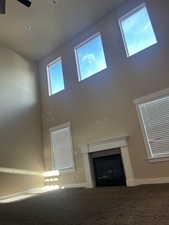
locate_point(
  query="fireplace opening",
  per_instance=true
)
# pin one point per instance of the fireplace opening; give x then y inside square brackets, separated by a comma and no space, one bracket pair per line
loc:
[108,170]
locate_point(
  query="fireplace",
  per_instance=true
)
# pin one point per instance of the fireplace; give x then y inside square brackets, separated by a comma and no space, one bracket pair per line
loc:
[108,169]
[104,148]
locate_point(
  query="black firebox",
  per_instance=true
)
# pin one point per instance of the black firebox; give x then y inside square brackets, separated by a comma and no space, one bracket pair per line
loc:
[109,171]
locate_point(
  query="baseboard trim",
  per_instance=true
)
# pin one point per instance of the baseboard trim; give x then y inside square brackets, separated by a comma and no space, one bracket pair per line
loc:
[39,190]
[19,171]
[29,191]
[160,180]
[130,182]
[76,185]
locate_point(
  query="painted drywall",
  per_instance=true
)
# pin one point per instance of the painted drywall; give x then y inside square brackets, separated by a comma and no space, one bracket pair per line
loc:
[20,122]
[102,105]
[12,184]
[34,32]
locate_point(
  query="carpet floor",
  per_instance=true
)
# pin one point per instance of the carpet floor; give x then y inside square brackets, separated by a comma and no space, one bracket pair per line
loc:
[144,205]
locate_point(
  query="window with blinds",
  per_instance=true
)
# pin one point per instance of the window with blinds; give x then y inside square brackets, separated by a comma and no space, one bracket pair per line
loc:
[154,117]
[62,148]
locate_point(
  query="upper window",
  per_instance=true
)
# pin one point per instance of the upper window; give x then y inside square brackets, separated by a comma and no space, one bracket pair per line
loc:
[137,30]
[154,117]
[90,57]
[55,77]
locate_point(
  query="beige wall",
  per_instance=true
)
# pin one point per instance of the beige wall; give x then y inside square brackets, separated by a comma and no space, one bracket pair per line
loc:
[102,106]
[11,184]
[20,122]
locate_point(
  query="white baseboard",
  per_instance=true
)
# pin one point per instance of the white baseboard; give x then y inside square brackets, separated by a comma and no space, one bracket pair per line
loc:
[160,180]
[78,185]
[39,190]
[29,191]
[130,182]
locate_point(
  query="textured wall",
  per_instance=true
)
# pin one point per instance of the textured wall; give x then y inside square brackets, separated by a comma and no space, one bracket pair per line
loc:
[102,106]
[20,121]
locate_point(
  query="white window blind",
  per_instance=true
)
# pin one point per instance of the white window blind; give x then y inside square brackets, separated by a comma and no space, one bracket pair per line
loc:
[62,149]
[155,118]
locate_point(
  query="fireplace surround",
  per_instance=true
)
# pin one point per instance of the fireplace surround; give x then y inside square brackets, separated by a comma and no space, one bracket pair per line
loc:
[113,143]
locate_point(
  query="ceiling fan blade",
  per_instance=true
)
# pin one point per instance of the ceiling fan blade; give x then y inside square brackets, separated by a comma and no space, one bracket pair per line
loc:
[2,6]
[26,2]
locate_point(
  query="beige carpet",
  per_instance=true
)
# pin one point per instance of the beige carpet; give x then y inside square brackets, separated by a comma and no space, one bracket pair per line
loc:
[144,205]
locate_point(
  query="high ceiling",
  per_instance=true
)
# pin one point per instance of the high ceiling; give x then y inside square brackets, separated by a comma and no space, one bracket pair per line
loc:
[36,31]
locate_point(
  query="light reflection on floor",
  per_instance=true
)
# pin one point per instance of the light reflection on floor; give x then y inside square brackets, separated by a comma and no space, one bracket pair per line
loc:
[29,194]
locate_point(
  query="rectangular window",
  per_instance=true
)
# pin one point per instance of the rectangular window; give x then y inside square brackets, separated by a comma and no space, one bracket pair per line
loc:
[90,57]
[62,147]
[137,30]
[154,118]
[55,77]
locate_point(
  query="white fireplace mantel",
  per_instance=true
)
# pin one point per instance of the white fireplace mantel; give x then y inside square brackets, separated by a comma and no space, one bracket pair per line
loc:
[112,143]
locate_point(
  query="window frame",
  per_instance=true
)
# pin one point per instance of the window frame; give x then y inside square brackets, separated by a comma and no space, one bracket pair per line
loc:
[126,15]
[53,129]
[142,100]
[77,58]
[59,59]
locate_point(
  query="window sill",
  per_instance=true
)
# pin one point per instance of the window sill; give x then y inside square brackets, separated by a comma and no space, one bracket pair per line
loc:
[70,170]
[159,159]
